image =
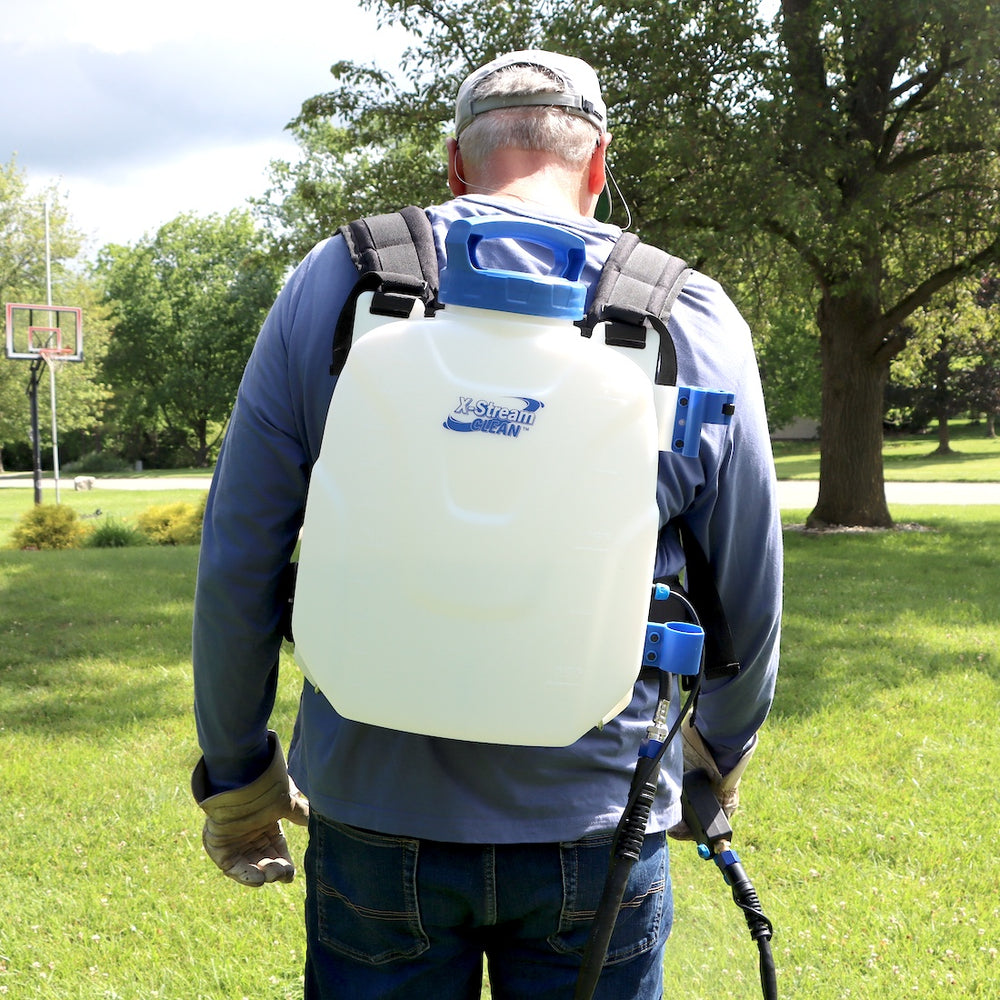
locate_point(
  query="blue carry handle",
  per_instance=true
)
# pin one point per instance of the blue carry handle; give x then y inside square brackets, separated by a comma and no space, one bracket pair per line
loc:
[558,294]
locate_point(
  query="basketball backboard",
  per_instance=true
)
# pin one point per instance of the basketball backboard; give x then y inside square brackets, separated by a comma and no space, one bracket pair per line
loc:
[32,330]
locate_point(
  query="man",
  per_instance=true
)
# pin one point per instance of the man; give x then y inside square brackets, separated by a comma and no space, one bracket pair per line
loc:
[427,854]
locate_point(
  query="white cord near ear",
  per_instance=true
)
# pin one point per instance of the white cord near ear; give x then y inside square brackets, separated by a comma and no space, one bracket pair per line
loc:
[621,198]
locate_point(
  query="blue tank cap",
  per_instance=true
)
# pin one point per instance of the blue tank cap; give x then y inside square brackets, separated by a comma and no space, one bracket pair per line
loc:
[559,295]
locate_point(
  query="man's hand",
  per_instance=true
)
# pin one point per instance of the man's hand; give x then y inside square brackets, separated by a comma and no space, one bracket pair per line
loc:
[242,833]
[697,756]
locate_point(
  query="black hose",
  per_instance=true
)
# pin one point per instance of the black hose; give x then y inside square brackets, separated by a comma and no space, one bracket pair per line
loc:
[625,852]
[630,835]
[761,929]
[768,977]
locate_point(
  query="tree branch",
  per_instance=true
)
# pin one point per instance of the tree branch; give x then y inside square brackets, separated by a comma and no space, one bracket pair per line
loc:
[923,293]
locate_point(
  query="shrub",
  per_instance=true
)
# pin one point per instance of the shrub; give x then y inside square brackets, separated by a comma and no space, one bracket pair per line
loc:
[172,523]
[48,526]
[115,534]
[97,461]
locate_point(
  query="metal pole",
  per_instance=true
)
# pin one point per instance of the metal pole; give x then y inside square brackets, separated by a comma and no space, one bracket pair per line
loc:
[49,361]
[48,259]
[36,445]
[55,441]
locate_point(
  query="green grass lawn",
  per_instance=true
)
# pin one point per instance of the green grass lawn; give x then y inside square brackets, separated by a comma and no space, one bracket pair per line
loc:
[869,809]
[868,815]
[975,458]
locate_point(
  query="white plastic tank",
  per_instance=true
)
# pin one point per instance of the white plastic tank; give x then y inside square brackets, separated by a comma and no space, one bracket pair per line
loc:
[480,530]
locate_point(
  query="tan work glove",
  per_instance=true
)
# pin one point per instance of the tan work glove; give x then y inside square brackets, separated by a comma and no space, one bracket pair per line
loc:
[697,756]
[242,833]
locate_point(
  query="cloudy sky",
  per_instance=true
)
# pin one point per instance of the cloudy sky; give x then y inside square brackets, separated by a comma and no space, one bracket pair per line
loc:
[140,112]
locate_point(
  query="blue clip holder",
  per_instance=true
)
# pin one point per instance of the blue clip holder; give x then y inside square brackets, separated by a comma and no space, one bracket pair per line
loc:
[674,647]
[696,407]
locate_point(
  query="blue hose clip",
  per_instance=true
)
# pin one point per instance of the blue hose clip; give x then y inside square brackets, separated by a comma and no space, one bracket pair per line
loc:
[673,646]
[696,407]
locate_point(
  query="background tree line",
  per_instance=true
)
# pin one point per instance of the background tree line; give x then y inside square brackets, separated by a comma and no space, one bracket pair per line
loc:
[834,164]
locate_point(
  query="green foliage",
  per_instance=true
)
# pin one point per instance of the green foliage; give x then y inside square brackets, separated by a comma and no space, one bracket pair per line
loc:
[48,526]
[850,146]
[92,507]
[22,237]
[23,279]
[186,306]
[951,363]
[113,533]
[96,462]
[341,175]
[173,523]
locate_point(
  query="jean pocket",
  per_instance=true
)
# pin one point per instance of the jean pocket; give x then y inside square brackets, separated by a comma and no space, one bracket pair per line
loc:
[365,893]
[646,912]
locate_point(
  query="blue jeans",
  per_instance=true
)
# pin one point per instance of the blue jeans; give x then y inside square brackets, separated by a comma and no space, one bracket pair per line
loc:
[393,917]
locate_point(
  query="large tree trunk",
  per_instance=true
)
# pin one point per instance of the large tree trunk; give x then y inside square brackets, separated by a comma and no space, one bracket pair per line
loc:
[851,481]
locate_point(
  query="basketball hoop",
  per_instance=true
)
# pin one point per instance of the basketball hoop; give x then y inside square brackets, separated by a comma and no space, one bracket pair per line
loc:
[49,333]
[51,355]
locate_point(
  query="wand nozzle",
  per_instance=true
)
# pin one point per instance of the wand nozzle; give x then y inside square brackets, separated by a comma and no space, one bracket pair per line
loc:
[710,828]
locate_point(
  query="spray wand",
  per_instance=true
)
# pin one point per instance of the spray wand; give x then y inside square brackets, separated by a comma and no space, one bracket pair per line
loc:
[711,830]
[672,648]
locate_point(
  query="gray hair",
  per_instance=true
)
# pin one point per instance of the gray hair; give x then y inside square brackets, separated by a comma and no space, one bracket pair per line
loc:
[537,129]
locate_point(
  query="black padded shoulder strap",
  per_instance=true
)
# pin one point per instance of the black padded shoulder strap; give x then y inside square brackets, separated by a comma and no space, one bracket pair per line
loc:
[639,285]
[396,243]
[396,259]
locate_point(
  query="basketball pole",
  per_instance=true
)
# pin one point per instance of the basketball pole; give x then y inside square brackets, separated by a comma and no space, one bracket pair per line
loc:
[48,257]
[49,362]
[36,444]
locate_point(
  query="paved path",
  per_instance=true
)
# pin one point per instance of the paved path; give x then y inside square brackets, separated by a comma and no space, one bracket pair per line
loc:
[23,480]
[801,493]
[792,494]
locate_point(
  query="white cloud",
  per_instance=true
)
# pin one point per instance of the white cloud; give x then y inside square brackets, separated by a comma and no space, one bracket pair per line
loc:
[141,113]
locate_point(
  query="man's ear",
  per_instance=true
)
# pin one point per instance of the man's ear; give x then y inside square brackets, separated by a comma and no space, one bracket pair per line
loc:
[597,181]
[456,172]
[597,177]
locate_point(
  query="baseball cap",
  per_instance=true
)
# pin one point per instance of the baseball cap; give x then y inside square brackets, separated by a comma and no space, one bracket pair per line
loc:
[578,91]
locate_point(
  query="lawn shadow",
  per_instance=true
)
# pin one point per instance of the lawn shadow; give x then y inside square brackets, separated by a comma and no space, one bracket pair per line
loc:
[874,610]
[94,637]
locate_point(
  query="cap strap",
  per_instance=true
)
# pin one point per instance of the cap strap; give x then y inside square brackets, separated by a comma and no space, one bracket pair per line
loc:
[573,103]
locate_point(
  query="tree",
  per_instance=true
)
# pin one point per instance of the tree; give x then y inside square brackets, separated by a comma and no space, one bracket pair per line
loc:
[23,277]
[860,135]
[185,307]
[987,373]
[951,364]
[337,180]
[887,187]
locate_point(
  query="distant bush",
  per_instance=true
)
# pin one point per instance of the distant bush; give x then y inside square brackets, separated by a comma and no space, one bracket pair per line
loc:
[115,534]
[97,461]
[172,523]
[48,526]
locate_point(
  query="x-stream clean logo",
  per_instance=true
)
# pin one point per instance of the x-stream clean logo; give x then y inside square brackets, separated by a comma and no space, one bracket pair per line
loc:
[508,417]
